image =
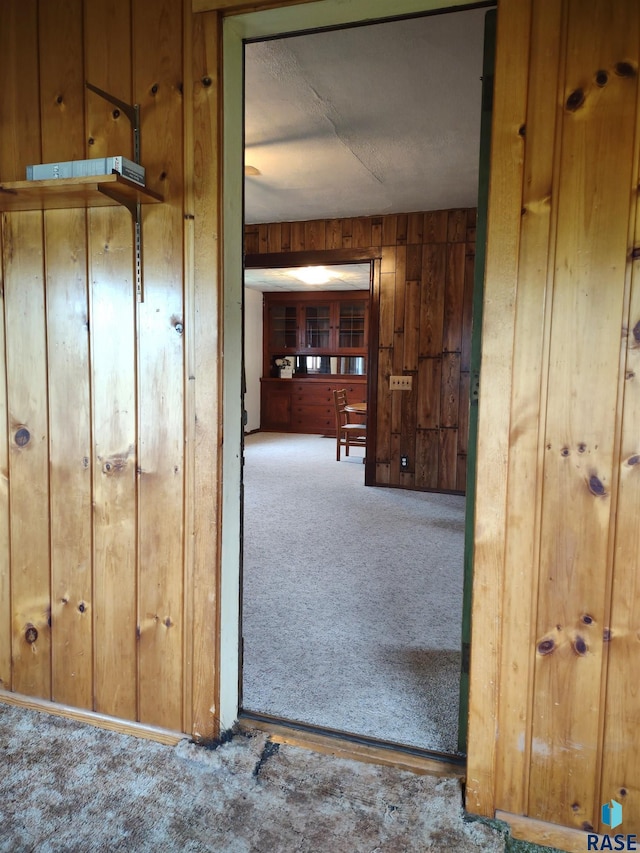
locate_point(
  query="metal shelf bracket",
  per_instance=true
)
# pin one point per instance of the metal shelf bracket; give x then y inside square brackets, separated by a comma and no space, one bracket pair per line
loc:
[132,112]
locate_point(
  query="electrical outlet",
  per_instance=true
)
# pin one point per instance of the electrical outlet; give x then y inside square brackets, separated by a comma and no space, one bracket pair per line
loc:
[404,463]
[400,383]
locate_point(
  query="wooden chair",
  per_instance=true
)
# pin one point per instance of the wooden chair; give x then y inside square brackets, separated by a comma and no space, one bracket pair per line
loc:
[347,432]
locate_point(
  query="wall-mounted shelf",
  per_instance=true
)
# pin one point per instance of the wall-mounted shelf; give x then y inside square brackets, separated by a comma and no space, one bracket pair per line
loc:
[64,193]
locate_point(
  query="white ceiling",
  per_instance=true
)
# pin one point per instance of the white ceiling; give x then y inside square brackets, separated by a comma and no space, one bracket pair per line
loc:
[364,121]
[344,277]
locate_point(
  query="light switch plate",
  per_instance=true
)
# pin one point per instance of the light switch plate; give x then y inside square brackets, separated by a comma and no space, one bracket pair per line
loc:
[401,383]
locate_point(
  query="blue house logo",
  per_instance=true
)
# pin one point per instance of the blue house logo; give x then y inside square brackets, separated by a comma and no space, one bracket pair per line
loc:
[612,814]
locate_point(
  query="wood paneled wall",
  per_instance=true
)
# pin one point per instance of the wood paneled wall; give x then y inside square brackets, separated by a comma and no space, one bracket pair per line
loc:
[107,567]
[424,331]
[554,703]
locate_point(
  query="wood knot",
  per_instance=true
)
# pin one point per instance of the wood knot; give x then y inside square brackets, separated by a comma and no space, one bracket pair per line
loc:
[82,607]
[116,113]
[575,807]
[575,100]
[31,634]
[546,647]
[154,89]
[168,623]
[587,619]
[206,82]
[633,460]
[582,447]
[580,647]
[565,451]
[606,635]
[596,486]
[59,99]
[636,332]
[586,826]
[602,78]
[22,437]
[625,69]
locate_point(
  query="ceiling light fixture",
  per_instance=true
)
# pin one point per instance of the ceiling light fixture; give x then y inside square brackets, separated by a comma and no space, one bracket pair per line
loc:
[313,275]
[252,170]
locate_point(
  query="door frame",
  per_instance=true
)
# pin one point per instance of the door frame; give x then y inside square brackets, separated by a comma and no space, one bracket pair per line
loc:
[238,29]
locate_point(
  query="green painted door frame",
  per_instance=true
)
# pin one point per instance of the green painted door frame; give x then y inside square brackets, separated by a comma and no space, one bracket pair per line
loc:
[237,30]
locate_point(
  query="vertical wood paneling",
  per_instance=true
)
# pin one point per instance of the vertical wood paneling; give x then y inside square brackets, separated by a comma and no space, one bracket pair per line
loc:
[509,106]
[580,436]
[424,316]
[5,555]
[454,298]
[432,299]
[65,235]
[113,358]
[11,156]
[93,394]
[28,453]
[26,363]
[203,388]
[157,33]
[527,403]
[621,767]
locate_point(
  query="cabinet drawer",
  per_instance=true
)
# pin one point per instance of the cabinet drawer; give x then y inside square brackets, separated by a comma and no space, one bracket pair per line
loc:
[311,422]
[317,396]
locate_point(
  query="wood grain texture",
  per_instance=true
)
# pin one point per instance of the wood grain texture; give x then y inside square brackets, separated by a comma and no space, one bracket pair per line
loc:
[20,85]
[528,409]
[70,457]
[580,437]
[204,383]
[5,548]
[28,453]
[620,771]
[20,140]
[157,36]
[65,238]
[26,364]
[509,100]
[113,359]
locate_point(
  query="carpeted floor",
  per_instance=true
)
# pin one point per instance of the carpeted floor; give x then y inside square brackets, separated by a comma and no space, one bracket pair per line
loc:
[352,596]
[65,786]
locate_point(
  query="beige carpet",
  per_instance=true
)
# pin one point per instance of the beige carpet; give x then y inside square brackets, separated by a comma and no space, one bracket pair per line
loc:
[65,786]
[352,596]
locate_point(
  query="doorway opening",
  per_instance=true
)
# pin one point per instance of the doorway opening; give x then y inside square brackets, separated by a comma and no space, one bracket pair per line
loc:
[240,30]
[338,630]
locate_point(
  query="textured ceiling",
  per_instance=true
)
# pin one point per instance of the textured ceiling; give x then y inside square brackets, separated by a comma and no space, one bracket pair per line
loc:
[364,121]
[344,277]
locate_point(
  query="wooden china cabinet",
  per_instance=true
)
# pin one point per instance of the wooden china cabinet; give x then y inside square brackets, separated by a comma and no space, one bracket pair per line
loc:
[324,337]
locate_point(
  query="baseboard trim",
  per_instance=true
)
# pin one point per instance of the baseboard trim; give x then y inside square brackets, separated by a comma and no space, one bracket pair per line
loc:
[545,834]
[92,718]
[344,746]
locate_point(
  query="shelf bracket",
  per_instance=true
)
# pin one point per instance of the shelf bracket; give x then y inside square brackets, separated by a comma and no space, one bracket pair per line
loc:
[135,209]
[132,112]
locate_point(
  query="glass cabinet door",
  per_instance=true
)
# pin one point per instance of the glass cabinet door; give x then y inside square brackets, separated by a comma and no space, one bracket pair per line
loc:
[284,327]
[351,325]
[317,326]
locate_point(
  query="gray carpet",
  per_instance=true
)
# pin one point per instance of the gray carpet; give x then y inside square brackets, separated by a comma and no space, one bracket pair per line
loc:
[65,786]
[352,596]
